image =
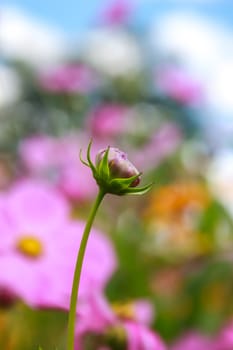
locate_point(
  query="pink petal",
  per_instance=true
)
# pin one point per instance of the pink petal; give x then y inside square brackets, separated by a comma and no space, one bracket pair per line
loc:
[144,312]
[36,207]
[141,338]
[193,341]
[94,314]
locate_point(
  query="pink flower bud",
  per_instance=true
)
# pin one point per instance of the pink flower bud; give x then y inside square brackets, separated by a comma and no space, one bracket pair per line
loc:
[114,173]
[119,165]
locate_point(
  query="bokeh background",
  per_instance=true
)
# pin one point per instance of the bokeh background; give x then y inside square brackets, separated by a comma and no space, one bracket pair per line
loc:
[154,78]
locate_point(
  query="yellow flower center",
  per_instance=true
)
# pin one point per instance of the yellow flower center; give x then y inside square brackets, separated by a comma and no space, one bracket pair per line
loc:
[124,311]
[30,246]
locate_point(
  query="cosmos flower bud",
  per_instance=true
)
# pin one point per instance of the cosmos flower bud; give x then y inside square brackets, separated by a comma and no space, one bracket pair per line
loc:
[114,173]
[119,165]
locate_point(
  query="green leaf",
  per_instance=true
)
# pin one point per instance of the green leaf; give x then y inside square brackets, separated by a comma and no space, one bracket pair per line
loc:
[214,214]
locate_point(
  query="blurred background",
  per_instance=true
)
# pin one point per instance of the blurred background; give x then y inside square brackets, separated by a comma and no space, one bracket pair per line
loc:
[154,78]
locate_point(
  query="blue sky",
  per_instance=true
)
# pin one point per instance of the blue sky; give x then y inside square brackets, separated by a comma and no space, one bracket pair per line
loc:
[73,16]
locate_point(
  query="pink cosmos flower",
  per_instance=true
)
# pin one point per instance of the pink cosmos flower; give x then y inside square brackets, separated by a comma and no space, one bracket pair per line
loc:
[56,161]
[39,244]
[193,341]
[96,316]
[117,12]
[224,340]
[108,120]
[141,338]
[72,78]
[162,144]
[179,85]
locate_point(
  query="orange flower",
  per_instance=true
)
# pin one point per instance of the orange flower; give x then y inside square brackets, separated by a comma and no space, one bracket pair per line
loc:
[174,202]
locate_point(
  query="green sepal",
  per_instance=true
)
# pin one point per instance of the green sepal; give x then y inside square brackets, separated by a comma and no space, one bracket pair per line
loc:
[81,159]
[103,168]
[89,158]
[124,182]
[137,190]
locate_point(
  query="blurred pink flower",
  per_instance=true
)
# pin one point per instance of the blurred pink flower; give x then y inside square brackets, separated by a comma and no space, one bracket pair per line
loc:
[117,12]
[162,144]
[141,338]
[70,78]
[193,341]
[95,315]
[56,161]
[224,340]
[176,83]
[39,244]
[108,120]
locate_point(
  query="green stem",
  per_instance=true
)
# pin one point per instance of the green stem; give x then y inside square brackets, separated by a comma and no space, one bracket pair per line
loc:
[77,272]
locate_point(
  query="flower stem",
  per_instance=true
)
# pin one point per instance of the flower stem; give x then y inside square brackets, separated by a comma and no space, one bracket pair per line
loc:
[77,272]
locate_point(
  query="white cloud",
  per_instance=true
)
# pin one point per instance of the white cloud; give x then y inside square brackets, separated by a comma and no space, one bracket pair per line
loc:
[113,51]
[220,86]
[195,40]
[27,39]
[207,48]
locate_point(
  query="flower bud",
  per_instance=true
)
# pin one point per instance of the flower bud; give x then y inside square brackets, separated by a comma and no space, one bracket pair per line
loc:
[114,173]
[119,165]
